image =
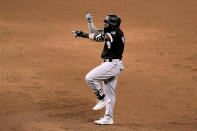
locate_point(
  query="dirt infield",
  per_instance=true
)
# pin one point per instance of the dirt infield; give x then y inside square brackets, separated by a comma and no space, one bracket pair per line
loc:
[42,67]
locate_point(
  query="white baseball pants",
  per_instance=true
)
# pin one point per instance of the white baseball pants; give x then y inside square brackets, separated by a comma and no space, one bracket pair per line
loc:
[107,72]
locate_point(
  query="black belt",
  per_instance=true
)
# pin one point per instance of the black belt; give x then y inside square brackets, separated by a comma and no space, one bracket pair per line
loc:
[109,60]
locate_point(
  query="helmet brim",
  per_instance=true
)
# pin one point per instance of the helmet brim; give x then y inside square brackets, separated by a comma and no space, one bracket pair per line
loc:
[108,22]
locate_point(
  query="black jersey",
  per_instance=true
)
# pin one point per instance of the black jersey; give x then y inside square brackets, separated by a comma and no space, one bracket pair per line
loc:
[114,46]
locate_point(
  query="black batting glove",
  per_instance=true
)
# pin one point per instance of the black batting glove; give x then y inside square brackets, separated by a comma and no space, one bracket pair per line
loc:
[80,34]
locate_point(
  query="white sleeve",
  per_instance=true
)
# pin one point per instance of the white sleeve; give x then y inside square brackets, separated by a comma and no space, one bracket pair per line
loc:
[96,37]
[92,28]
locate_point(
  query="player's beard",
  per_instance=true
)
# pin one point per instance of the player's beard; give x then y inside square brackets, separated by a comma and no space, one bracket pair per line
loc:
[110,28]
[106,29]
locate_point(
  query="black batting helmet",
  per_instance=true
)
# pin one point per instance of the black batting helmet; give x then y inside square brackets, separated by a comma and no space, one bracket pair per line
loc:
[113,21]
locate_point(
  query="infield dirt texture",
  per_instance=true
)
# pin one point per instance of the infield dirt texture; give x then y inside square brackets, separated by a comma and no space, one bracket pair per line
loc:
[43,68]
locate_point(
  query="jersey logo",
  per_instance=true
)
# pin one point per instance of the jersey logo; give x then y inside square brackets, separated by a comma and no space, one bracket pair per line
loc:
[99,37]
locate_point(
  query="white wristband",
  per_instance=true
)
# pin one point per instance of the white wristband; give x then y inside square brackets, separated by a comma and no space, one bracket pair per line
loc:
[91,36]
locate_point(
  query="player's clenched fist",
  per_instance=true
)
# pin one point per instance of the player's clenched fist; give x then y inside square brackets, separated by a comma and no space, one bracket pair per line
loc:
[89,17]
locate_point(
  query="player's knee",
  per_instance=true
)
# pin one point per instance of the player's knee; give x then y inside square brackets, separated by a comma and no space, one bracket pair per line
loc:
[88,78]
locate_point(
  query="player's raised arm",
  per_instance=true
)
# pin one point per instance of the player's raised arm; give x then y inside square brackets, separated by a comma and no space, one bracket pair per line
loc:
[91,27]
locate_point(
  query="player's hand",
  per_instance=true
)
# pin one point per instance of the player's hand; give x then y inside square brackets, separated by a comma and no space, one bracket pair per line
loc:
[75,33]
[89,17]
[80,34]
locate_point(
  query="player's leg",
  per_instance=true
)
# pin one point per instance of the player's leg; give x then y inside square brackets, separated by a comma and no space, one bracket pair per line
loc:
[93,81]
[105,71]
[92,78]
[109,90]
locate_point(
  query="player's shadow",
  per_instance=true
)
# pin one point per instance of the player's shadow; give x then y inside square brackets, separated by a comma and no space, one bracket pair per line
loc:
[70,108]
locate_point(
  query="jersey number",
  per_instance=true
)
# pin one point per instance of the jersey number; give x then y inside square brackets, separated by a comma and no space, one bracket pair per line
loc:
[108,44]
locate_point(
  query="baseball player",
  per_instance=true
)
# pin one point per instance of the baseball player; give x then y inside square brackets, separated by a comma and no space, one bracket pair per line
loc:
[109,70]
